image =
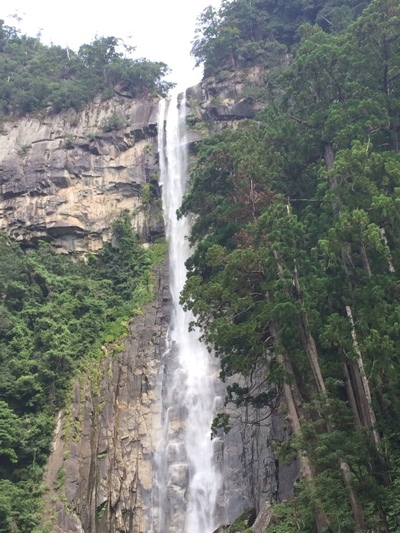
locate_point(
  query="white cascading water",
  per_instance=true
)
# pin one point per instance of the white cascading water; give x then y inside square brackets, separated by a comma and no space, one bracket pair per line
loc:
[187,481]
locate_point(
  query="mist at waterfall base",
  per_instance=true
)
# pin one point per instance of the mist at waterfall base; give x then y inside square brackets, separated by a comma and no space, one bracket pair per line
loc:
[187,481]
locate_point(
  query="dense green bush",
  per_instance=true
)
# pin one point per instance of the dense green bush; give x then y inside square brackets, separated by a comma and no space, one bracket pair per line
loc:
[248,31]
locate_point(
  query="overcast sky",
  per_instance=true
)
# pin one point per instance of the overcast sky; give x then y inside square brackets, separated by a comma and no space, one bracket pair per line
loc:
[161,30]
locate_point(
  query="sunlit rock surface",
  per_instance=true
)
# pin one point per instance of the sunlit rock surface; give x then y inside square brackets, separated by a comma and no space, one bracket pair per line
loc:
[64,178]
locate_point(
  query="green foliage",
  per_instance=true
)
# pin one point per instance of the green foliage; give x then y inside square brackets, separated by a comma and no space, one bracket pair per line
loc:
[101,510]
[9,431]
[294,515]
[60,478]
[242,523]
[34,76]
[111,123]
[254,31]
[55,315]
[221,422]
[296,221]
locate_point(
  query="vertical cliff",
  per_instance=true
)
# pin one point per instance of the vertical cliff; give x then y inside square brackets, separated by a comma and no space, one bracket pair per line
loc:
[106,438]
[64,179]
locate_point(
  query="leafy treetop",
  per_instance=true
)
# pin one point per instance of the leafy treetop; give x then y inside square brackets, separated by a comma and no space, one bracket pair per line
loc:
[35,76]
[248,31]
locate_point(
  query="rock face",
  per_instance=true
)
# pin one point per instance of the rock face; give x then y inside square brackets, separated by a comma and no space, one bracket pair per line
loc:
[110,434]
[249,466]
[64,178]
[221,102]
[252,472]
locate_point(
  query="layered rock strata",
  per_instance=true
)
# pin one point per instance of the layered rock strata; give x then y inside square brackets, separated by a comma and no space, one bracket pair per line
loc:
[64,178]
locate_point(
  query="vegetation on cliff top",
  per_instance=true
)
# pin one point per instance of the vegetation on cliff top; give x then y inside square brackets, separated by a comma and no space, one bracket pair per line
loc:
[243,32]
[34,76]
[297,261]
[55,314]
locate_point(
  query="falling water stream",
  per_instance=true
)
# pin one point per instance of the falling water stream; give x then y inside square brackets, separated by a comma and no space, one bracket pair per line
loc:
[187,479]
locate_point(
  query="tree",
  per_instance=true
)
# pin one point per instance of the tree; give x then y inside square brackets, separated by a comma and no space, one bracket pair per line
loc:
[295,265]
[34,76]
[242,31]
[9,433]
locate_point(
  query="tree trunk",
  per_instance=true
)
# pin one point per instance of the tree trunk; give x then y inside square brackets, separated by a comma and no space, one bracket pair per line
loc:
[361,410]
[385,242]
[364,379]
[364,260]
[358,512]
[350,394]
[329,157]
[293,401]
[313,358]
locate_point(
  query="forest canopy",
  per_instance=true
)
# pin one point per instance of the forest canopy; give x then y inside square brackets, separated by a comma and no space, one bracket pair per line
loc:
[296,257]
[35,76]
[246,31]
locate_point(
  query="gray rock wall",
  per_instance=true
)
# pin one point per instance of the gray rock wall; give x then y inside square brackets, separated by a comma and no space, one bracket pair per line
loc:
[110,433]
[64,179]
[252,472]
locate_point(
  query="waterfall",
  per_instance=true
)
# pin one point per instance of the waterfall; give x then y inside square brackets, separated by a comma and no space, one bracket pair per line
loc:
[187,481]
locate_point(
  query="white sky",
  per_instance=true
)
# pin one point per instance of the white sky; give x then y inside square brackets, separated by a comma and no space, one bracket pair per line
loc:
[161,30]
